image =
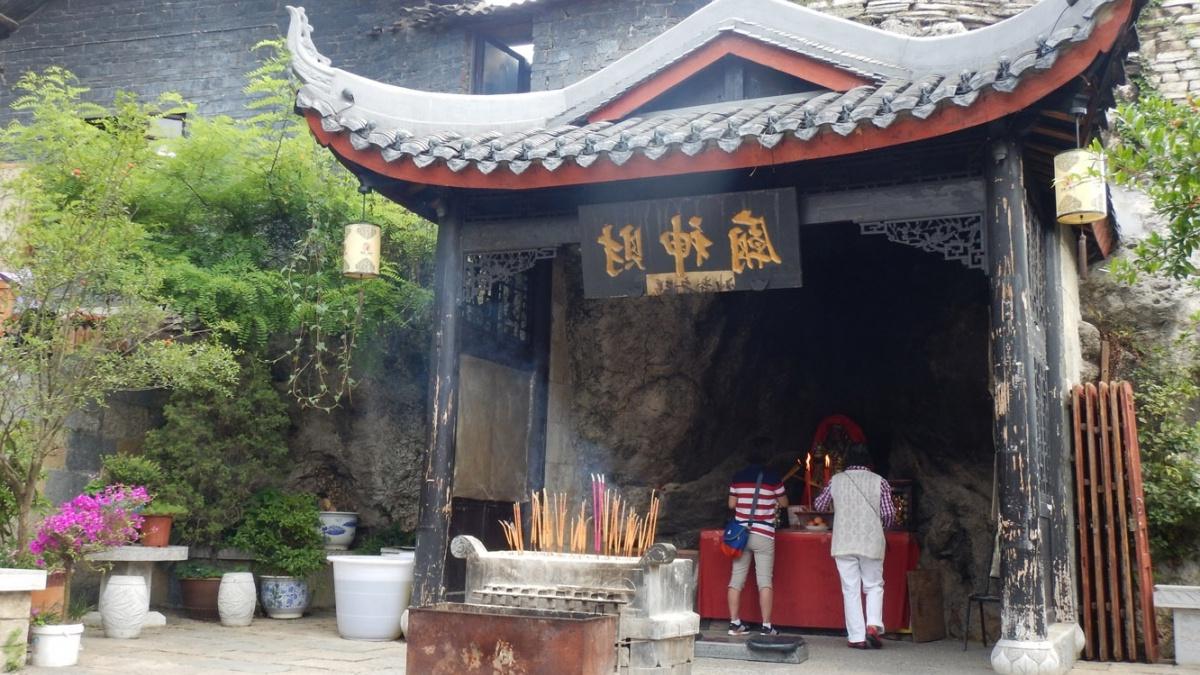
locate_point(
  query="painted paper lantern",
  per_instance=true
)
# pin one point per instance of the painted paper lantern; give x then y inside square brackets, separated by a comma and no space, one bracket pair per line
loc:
[1080,192]
[360,251]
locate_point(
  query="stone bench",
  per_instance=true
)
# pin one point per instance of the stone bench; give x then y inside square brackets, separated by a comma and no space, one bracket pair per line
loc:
[137,560]
[1184,601]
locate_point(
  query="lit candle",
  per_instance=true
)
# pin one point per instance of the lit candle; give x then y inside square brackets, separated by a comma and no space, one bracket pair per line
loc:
[827,469]
[808,498]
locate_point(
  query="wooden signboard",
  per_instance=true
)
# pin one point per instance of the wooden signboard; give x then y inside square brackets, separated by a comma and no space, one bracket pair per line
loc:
[713,243]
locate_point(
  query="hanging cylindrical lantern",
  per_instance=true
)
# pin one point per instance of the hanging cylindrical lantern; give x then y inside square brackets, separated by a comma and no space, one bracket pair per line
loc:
[1080,191]
[360,251]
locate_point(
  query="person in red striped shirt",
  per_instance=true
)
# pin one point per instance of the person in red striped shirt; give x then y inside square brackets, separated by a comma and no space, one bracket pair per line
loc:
[760,515]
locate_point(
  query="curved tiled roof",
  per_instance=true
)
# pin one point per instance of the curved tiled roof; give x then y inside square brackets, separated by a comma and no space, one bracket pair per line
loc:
[909,78]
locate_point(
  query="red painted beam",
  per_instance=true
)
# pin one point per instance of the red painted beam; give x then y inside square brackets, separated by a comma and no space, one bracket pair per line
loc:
[991,105]
[777,58]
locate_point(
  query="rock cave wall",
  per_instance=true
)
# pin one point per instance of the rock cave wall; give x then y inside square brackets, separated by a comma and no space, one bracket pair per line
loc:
[664,392]
[368,455]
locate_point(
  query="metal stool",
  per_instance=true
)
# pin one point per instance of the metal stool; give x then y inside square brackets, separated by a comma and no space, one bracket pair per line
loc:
[981,598]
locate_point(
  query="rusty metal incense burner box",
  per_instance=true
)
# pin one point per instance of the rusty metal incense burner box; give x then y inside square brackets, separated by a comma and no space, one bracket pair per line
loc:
[651,598]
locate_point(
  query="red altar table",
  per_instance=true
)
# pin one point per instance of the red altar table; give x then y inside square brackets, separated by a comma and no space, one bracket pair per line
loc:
[808,592]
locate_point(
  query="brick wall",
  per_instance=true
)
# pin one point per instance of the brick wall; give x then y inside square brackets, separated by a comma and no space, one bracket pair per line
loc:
[201,48]
[573,40]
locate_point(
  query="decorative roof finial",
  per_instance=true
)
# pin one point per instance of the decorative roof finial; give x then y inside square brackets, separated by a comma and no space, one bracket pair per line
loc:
[309,65]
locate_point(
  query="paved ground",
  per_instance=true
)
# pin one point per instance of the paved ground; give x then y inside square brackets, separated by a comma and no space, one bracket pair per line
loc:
[311,645]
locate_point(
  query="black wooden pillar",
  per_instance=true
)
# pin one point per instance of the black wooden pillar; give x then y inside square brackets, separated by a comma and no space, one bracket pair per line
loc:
[1058,435]
[1023,608]
[437,486]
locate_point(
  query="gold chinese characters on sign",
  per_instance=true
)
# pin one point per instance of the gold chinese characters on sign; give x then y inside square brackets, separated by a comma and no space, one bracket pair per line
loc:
[622,256]
[749,245]
[717,243]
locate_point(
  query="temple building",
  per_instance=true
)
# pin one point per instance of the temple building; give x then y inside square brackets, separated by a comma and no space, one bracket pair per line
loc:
[761,217]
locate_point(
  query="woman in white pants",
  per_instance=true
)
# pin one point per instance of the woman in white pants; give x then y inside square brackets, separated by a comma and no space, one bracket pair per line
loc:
[863,501]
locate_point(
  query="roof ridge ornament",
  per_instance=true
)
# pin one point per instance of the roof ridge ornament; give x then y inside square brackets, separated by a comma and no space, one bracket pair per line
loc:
[312,67]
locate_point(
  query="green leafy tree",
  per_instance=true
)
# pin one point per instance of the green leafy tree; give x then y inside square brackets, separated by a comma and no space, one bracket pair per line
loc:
[217,451]
[250,215]
[1155,149]
[89,319]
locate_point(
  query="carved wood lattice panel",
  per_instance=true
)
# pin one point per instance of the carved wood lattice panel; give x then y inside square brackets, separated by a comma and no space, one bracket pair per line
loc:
[956,238]
[496,301]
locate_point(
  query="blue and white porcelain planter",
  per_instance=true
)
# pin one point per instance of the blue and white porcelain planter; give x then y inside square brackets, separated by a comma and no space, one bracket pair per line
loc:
[337,529]
[284,597]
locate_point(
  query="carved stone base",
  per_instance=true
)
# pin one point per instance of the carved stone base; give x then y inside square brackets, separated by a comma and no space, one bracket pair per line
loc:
[1055,655]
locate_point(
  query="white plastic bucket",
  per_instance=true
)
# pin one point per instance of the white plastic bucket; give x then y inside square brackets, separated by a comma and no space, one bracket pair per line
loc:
[397,552]
[370,593]
[55,646]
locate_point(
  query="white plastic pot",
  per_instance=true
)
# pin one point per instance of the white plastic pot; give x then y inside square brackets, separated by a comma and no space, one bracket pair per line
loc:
[236,599]
[371,592]
[55,646]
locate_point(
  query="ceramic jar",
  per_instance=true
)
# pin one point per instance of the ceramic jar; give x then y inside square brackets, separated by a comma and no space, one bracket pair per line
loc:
[55,646]
[337,529]
[124,605]
[284,597]
[236,599]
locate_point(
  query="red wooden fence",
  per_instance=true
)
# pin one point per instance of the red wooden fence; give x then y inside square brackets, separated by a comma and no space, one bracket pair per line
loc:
[1113,544]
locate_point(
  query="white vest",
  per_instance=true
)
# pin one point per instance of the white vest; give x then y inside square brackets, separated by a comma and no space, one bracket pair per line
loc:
[857,527]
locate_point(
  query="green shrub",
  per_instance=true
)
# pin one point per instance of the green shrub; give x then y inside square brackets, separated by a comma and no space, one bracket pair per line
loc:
[121,469]
[221,450]
[127,470]
[196,569]
[1168,389]
[281,530]
[391,536]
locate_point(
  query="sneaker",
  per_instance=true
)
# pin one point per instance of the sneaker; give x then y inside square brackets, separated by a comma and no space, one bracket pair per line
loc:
[738,628]
[873,637]
[857,645]
[768,629]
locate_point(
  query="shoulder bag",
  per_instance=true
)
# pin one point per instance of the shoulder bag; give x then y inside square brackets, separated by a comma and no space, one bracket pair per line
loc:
[737,534]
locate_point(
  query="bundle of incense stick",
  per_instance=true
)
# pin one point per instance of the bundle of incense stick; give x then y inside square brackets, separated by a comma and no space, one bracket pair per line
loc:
[617,528]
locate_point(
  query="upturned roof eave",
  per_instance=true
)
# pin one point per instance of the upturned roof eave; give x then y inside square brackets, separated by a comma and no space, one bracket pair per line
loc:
[854,47]
[852,122]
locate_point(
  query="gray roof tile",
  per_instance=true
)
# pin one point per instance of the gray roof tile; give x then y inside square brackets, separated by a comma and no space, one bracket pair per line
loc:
[727,126]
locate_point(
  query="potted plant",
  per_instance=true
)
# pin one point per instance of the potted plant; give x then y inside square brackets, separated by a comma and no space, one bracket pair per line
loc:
[337,527]
[199,583]
[84,525]
[280,531]
[164,507]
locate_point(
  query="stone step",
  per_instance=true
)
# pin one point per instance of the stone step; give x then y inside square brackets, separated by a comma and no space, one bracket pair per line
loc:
[737,647]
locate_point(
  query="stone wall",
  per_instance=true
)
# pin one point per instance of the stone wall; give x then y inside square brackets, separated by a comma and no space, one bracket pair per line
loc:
[119,426]
[367,455]
[1169,57]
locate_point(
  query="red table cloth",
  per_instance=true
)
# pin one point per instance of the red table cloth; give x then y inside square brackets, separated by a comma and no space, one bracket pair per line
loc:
[808,592]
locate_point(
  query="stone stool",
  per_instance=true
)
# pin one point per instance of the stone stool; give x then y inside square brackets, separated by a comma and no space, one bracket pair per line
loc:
[136,560]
